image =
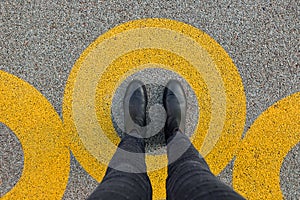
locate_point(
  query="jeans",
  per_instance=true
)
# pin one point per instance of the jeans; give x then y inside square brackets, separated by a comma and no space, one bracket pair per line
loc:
[189,176]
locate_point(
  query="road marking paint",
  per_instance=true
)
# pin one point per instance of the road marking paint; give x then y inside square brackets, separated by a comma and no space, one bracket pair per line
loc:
[40,131]
[45,141]
[210,60]
[274,133]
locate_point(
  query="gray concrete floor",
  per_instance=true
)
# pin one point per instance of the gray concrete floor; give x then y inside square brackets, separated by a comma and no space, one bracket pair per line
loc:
[41,40]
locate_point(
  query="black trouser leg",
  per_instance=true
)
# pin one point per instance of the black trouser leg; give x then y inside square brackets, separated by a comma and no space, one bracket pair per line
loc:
[121,180]
[189,176]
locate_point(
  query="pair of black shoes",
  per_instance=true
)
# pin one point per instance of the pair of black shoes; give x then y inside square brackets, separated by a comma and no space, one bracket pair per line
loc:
[135,103]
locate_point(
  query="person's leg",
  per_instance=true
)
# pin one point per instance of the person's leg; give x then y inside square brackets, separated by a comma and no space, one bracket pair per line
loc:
[126,176]
[189,176]
[121,180]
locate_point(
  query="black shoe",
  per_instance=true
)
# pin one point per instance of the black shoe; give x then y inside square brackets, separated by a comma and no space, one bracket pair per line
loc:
[174,101]
[135,103]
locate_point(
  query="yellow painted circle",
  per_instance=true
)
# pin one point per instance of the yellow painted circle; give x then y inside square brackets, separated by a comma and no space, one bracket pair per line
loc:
[274,133]
[40,131]
[222,121]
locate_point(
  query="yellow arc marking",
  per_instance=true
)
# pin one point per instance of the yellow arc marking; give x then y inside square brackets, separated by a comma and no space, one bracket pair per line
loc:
[39,129]
[227,113]
[256,171]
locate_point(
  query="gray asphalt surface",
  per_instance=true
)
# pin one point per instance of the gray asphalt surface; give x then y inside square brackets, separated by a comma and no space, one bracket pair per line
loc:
[41,40]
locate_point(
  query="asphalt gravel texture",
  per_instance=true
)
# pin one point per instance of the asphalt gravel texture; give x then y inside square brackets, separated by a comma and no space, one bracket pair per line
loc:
[41,40]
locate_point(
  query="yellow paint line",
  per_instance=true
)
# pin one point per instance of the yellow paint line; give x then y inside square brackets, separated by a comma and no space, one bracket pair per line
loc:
[40,131]
[274,133]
